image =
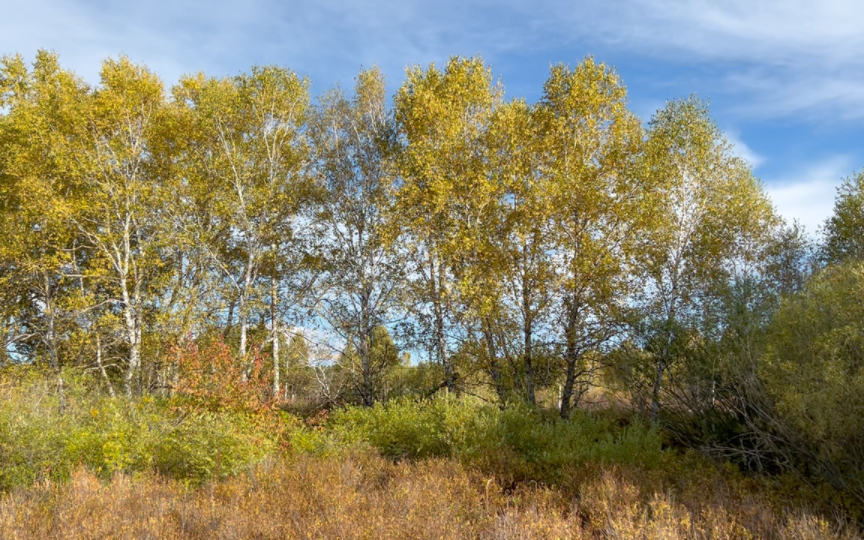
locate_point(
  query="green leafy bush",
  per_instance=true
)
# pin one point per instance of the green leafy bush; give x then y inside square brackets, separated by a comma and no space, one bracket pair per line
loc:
[500,441]
[47,434]
[404,428]
[814,371]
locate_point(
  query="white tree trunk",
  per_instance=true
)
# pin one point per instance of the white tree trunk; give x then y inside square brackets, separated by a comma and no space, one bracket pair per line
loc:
[274,333]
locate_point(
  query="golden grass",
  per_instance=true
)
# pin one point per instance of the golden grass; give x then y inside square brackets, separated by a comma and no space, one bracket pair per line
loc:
[364,496]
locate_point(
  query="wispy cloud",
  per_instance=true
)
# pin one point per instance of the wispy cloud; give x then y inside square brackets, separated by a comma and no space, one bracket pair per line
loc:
[740,149]
[814,95]
[808,194]
[785,57]
[328,38]
[763,31]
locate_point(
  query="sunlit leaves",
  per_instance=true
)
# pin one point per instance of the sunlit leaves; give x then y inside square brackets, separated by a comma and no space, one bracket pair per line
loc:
[364,264]
[510,235]
[844,230]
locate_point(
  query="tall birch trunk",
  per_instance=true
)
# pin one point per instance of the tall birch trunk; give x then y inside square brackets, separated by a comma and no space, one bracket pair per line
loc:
[133,336]
[440,340]
[244,315]
[274,335]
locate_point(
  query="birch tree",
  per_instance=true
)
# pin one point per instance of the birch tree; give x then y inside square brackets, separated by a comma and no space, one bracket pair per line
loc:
[712,222]
[354,140]
[38,178]
[246,161]
[121,217]
[590,144]
[446,201]
[844,230]
[525,243]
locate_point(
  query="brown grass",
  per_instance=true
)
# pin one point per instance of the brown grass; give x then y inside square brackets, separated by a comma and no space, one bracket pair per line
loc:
[364,496]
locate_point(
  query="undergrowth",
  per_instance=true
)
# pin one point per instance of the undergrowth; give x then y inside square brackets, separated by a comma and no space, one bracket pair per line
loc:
[78,464]
[519,442]
[46,433]
[361,495]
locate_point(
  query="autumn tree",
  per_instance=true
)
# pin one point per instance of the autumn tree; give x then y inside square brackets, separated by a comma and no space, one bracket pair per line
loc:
[354,140]
[590,143]
[712,223]
[518,244]
[844,230]
[245,161]
[444,205]
[39,176]
[120,218]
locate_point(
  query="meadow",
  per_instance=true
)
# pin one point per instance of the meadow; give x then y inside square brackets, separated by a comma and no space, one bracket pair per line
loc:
[80,465]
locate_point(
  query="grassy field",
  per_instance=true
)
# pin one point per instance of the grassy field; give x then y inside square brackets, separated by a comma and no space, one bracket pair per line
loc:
[366,496]
[80,465]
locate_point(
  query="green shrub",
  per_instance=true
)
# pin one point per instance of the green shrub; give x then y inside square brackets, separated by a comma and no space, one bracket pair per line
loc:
[46,434]
[518,438]
[404,428]
[206,445]
[814,370]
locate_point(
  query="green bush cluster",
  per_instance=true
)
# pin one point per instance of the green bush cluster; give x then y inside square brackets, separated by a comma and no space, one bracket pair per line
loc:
[519,440]
[46,434]
[814,371]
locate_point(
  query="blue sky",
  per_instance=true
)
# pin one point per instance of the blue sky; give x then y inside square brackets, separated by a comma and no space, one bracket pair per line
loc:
[785,78]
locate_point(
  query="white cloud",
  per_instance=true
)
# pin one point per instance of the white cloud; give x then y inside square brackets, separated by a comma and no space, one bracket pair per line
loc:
[808,195]
[740,149]
[779,59]
[785,58]
[763,31]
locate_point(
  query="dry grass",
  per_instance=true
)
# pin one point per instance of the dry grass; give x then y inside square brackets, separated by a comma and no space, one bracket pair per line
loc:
[364,496]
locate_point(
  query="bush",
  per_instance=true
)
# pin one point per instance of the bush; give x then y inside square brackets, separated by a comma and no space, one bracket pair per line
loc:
[404,428]
[814,371]
[45,434]
[519,442]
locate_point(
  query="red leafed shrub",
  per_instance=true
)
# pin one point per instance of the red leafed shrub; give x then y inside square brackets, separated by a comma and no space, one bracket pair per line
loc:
[318,420]
[211,377]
